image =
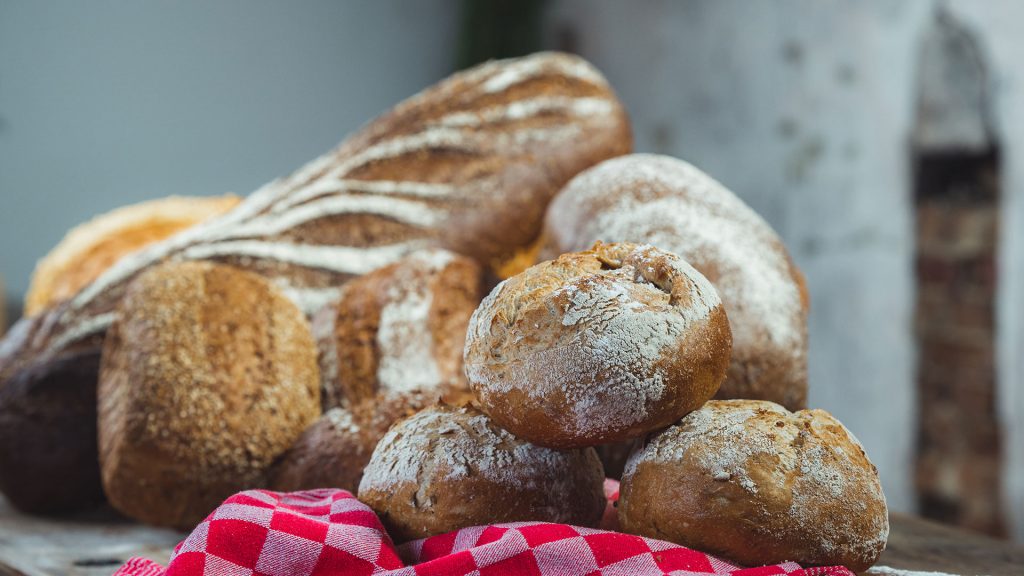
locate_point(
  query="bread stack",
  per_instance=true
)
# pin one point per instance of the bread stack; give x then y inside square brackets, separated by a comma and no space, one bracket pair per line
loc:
[330,331]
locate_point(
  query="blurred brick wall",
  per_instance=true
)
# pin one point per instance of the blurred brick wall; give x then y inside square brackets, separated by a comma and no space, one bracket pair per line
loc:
[959,444]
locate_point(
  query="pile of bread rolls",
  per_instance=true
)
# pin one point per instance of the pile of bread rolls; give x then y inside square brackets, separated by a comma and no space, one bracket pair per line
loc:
[331,330]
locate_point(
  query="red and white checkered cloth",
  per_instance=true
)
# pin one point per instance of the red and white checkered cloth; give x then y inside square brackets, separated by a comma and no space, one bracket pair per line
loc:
[329,532]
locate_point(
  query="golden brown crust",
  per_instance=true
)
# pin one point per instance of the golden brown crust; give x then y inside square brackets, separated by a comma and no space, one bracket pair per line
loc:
[597,346]
[448,468]
[468,164]
[331,453]
[398,329]
[208,374]
[90,248]
[670,204]
[754,483]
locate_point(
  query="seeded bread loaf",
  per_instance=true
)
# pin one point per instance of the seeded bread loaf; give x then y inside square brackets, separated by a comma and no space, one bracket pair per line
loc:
[208,375]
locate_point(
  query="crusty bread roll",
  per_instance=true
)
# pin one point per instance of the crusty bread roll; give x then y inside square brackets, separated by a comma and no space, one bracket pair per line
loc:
[333,452]
[398,329]
[597,346]
[447,468]
[754,483]
[668,203]
[208,374]
[469,165]
[90,248]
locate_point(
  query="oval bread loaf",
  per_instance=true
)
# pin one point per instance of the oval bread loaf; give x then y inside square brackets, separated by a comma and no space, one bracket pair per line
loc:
[668,203]
[754,483]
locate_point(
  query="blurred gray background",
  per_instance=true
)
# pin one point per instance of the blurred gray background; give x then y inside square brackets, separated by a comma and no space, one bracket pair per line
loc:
[882,139]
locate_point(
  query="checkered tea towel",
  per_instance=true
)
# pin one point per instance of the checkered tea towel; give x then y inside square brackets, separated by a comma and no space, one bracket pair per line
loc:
[329,532]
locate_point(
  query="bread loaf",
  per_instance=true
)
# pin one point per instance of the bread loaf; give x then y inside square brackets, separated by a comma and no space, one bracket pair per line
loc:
[448,468]
[597,346]
[90,248]
[48,436]
[208,375]
[329,454]
[668,203]
[751,482]
[399,329]
[334,451]
[468,165]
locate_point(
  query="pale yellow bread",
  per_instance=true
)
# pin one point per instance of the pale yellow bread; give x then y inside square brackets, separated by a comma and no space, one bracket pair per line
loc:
[91,247]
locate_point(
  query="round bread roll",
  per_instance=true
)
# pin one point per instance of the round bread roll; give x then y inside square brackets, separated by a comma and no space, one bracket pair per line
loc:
[597,346]
[208,374]
[447,468]
[90,248]
[668,203]
[754,483]
[398,330]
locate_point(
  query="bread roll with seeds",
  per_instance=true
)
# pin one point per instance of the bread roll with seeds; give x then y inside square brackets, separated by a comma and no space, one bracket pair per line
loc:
[447,468]
[597,346]
[208,374]
[468,165]
[676,207]
[756,484]
[398,330]
[90,248]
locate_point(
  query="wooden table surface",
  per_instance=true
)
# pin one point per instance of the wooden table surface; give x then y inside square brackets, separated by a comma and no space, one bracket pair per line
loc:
[98,542]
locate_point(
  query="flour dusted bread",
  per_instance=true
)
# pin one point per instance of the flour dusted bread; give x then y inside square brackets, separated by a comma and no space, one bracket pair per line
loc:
[468,165]
[208,374]
[676,207]
[597,346]
[333,452]
[390,345]
[754,483]
[400,329]
[90,248]
[447,468]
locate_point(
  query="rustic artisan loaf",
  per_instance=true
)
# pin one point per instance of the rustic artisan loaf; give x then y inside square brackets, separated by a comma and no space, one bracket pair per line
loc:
[447,468]
[469,165]
[754,483]
[398,329]
[208,374]
[676,207]
[333,452]
[597,346]
[38,473]
[90,248]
